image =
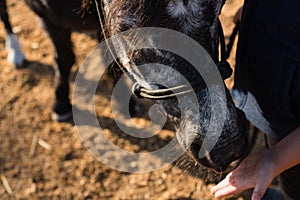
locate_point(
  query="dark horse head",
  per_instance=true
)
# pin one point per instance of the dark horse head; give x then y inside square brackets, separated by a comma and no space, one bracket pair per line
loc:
[197,19]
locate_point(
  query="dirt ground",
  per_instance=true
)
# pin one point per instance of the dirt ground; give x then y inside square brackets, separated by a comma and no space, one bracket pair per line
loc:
[60,167]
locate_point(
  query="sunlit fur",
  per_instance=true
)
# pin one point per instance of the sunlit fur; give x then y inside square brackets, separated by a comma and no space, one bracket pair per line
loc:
[198,20]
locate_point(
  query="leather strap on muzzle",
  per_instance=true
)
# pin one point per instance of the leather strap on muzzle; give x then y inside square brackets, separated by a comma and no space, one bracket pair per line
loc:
[163,93]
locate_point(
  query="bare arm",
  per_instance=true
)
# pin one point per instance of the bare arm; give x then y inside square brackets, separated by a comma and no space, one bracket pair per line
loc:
[286,153]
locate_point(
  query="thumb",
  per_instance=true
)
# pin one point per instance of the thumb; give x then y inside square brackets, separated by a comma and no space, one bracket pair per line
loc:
[260,189]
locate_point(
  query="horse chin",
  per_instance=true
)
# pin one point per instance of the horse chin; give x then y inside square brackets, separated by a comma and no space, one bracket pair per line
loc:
[217,168]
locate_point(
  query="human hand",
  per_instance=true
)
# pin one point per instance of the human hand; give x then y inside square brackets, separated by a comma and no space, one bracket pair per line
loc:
[238,15]
[256,171]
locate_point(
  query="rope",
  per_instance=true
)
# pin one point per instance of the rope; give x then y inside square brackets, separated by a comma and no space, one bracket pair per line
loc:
[163,93]
[167,93]
[104,35]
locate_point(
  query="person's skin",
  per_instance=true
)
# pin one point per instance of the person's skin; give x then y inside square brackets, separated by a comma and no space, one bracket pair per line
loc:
[258,170]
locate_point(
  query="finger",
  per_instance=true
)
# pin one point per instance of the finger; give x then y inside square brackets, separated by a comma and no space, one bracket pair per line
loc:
[257,195]
[229,190]
[224,183]
[259,190]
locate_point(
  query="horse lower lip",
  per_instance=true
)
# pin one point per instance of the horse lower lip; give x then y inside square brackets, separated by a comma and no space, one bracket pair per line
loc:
[217,171]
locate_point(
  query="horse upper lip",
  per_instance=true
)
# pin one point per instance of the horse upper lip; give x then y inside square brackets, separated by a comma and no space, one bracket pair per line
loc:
[207,161]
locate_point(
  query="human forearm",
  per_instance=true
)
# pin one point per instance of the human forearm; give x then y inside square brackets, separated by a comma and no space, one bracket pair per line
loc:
[286,153]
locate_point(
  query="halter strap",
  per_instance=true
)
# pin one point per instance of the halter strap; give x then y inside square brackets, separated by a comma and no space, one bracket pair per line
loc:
[163,93]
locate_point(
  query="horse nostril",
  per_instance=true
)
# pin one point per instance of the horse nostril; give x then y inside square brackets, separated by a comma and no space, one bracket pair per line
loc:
[212,165]
[195,149]
[185,2]
[206,161]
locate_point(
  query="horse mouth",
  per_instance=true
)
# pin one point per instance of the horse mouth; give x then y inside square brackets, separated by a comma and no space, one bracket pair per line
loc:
[223,156]
[206,161]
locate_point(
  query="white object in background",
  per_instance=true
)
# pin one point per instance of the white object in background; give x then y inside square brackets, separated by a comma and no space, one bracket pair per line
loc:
[15,54]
